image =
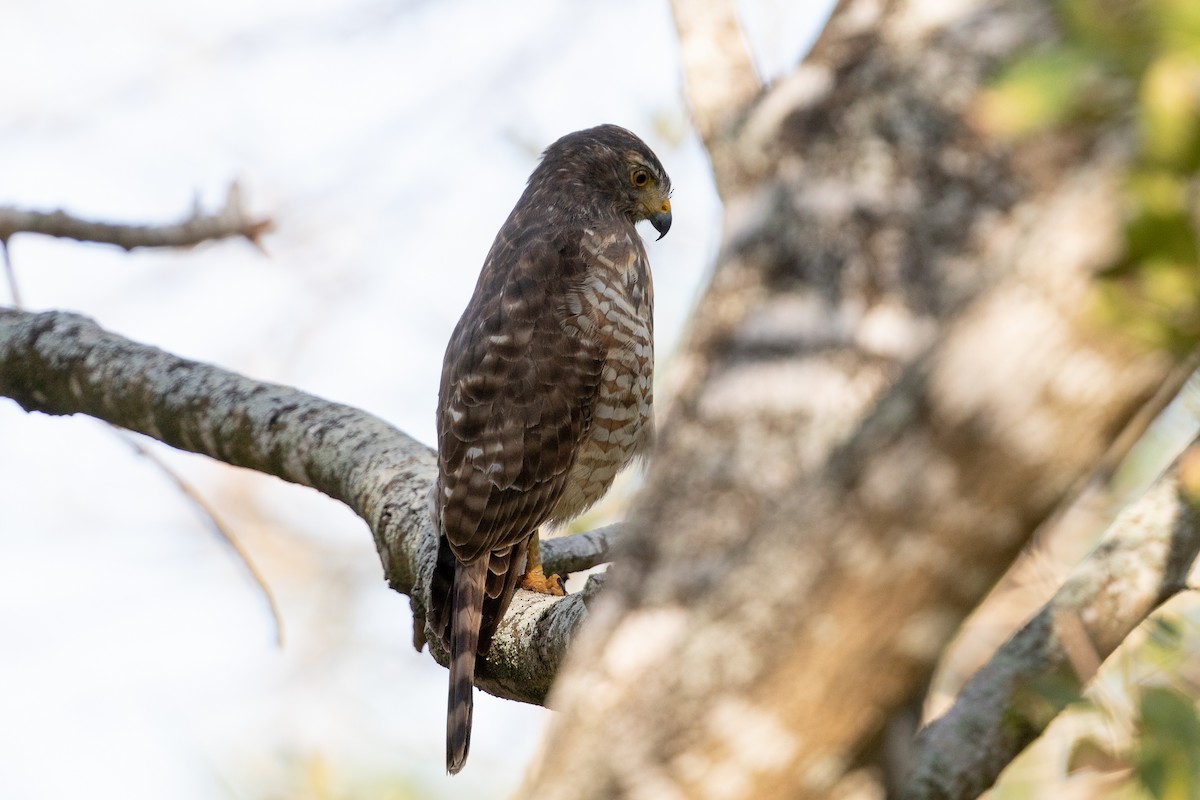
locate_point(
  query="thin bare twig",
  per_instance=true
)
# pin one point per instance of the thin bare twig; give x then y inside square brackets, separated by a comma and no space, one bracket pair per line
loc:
[1076,643]
[11,274]
[224,532]
[231,220]
[579,551]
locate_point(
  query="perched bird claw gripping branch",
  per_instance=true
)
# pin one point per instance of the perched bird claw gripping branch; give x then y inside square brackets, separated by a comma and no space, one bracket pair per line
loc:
[546,387]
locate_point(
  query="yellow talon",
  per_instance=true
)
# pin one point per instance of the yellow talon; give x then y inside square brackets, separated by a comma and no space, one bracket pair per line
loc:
[535,579]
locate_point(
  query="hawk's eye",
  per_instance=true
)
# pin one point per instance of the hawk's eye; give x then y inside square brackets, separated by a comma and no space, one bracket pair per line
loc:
[640,177]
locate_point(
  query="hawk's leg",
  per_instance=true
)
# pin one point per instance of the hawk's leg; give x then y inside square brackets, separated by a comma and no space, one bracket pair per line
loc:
[535,579]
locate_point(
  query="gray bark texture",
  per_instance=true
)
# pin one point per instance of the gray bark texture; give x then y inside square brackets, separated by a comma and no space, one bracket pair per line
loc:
[1142,561]
[59,363]
[891,382]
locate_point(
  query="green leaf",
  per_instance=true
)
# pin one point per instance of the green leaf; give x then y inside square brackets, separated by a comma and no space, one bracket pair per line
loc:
[1167,759]
[1169,111]
[1036,92]
[1123,32]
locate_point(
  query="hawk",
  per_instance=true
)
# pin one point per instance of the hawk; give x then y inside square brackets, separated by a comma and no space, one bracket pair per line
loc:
[546,386]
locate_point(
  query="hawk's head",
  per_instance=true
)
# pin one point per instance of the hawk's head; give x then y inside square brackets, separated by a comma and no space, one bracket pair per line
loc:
[614,169]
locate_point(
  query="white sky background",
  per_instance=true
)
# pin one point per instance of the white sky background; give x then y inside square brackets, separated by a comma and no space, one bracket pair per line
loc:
[388,141]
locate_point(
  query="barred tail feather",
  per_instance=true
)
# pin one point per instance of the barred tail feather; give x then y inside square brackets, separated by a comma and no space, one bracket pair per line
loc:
[469,580]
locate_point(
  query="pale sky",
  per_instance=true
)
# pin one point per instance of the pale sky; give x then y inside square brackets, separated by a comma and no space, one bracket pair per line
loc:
[388,141]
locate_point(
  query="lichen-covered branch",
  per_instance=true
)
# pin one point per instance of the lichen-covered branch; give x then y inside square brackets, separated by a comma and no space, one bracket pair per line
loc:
[60,363]
[231,220]
[1141,562]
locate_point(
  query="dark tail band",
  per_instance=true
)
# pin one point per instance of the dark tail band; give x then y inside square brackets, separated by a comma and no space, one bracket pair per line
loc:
[467,613]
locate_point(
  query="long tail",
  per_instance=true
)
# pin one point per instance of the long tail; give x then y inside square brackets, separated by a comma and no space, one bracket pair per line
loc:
[469,580]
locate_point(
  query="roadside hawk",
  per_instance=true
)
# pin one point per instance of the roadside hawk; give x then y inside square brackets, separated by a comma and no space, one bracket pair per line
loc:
[546,386]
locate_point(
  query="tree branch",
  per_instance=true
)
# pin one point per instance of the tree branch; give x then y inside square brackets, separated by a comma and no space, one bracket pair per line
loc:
[197,227]
[719,75]
[60,363]
[10,276]
[579,551]
[1142,561]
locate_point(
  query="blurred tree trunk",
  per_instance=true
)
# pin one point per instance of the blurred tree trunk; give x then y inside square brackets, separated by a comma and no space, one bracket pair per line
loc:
[892,380]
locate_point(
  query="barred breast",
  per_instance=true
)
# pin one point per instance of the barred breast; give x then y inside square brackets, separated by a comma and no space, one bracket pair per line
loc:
[614,304]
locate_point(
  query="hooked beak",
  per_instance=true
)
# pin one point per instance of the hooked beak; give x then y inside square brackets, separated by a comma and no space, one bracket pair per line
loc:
[661,219]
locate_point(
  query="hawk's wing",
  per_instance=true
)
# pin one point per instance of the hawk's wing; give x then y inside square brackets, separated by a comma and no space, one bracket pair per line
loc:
[517,392]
